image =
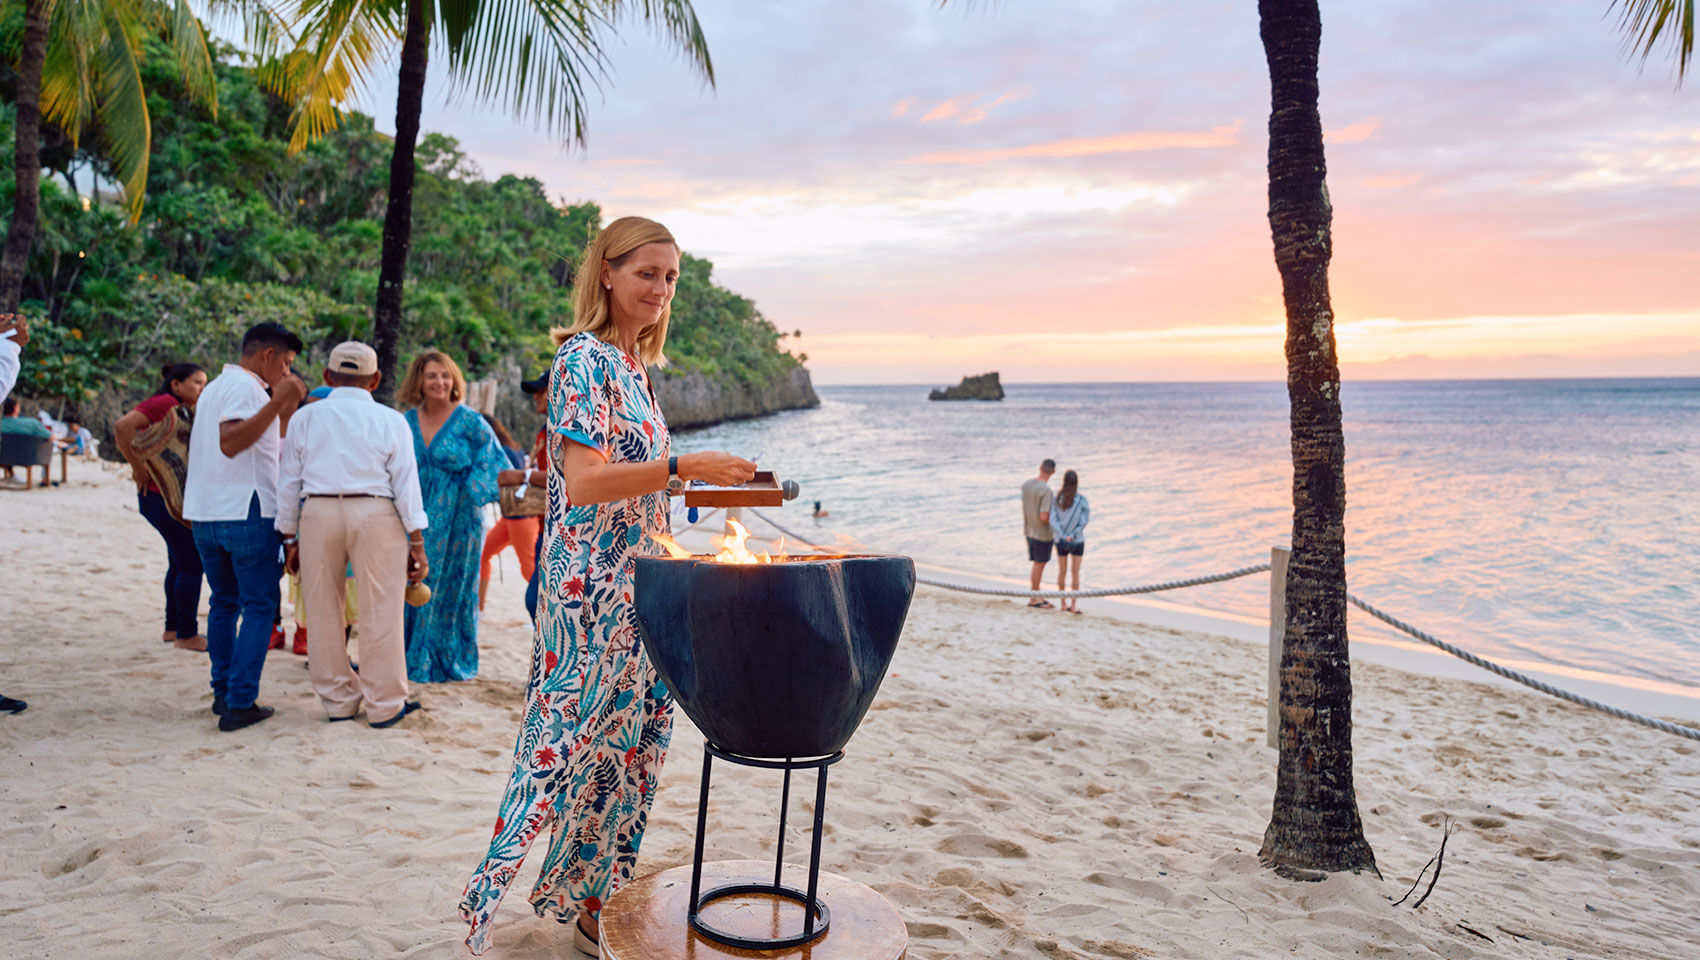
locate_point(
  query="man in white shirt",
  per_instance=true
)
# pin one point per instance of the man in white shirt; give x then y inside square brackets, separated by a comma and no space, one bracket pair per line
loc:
[14,333]
[230,496]
[348,493]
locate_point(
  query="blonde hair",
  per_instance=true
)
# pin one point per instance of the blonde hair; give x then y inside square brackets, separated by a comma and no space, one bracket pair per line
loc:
[412,392]
[614,244]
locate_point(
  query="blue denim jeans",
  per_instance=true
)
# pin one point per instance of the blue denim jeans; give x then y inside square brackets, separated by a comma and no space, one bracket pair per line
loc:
[243,561]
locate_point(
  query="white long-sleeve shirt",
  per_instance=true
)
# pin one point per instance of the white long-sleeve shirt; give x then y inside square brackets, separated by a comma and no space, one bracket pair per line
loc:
[348,443]
[9,365]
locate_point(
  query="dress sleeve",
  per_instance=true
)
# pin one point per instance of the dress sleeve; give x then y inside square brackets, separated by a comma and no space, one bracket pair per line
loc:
[579,408]
[488,460]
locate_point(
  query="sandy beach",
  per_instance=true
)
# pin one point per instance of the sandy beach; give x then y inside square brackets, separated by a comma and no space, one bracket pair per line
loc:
[1028,784]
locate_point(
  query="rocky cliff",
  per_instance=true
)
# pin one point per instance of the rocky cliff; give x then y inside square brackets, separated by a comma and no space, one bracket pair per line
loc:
[698,400]
[983,387]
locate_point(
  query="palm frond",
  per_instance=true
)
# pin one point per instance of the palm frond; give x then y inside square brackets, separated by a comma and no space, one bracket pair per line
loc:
[1648,22]
[76,28]
[537,59]
[122,108]
[193,57]
[264,26]
[676,22]
[341,42]
[532,57]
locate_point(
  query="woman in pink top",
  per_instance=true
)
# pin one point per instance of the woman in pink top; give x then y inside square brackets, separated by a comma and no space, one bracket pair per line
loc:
[181,387]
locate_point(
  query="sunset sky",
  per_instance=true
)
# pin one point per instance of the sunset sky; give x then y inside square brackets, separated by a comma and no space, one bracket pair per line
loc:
[1075,190]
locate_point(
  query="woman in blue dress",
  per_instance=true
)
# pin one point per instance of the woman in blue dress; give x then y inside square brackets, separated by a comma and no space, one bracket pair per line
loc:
[597,716]
[458,463]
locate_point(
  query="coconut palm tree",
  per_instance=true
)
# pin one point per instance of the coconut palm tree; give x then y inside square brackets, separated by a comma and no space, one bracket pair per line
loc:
[533,58]
[81,65]
[1315,825]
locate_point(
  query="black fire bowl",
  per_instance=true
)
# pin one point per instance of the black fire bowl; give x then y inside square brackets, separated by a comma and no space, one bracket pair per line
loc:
[774,660]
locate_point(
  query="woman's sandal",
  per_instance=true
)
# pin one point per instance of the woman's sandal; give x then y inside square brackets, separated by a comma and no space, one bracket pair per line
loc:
[1041,605]
[588,945]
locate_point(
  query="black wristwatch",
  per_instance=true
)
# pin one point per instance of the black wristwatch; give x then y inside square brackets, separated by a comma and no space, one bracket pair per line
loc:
[675,485]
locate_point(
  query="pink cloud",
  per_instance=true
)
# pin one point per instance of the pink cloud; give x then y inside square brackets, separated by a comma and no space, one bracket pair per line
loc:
[1390,182]
[946,110]
[903,106]
[1362,130]
[1135,142]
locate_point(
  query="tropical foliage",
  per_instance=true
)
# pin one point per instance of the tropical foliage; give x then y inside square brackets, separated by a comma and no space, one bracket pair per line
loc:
[238,229]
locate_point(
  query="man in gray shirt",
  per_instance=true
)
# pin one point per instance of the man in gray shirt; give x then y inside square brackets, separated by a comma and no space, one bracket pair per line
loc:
[1036,498]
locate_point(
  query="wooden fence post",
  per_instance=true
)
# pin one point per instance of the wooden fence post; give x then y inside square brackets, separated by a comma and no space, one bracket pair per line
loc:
[1277,635]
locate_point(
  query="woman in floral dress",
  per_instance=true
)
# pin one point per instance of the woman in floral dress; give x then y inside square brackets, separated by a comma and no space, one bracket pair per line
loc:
[597,718]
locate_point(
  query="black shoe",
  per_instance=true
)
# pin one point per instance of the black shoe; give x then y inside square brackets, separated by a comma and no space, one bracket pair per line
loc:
[218,706]
[239,717]
[11,705]
[341,719]
[411,706]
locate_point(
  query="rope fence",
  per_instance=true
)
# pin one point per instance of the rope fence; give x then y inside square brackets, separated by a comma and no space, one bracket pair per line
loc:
[1654,723]
[1523,678]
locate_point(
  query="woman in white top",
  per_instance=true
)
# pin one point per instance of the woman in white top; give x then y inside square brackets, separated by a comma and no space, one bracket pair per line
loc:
[1068,528]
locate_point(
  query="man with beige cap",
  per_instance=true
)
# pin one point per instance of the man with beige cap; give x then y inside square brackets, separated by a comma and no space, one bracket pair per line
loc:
[348,494]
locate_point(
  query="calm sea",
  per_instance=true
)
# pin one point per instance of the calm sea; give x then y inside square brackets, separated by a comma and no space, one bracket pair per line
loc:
[1549,520]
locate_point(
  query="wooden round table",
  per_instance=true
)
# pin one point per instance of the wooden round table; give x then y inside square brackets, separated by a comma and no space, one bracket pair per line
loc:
[646,920]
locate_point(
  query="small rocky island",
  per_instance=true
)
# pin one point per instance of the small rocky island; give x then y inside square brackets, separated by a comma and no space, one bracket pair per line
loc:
[983,387]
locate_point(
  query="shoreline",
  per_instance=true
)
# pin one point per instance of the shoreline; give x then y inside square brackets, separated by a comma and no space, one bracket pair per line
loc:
[1371,642]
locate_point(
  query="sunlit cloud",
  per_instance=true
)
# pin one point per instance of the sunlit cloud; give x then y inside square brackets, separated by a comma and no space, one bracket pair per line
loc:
[749,229]
[1390,182]
[1091,146]
[1583,344]
[1089,171]
[1356,133]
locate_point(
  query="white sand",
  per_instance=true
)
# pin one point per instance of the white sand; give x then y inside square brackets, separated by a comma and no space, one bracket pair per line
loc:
[1013,792]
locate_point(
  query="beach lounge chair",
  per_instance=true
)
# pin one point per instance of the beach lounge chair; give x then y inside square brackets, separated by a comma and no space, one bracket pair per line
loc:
[18,450]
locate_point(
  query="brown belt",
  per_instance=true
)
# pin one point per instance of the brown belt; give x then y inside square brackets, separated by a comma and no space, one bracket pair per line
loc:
[343,496]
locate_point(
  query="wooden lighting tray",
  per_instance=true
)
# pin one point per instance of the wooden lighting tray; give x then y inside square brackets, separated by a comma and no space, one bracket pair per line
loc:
[762,491]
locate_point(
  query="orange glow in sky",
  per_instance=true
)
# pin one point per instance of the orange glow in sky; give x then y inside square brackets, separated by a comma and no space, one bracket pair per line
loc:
[929,193]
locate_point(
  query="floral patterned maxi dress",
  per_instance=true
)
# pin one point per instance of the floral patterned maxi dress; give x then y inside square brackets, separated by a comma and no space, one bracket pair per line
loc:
[597,718]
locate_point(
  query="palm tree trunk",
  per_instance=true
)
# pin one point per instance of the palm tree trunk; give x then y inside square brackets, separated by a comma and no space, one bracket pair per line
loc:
[1315,825]
[398,216]
[26,158]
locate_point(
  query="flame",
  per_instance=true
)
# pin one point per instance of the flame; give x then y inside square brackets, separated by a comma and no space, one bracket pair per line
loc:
[671,546]
[733,550]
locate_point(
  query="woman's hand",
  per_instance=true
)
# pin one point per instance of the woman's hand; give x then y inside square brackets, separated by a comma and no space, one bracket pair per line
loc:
[511,478]
[716,467]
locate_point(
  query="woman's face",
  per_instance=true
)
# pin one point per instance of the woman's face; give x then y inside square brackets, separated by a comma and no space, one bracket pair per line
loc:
[188,390]
[438,383]
[640,289]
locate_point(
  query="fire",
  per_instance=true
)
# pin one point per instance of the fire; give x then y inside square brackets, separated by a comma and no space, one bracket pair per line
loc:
[671,546]
[733,548]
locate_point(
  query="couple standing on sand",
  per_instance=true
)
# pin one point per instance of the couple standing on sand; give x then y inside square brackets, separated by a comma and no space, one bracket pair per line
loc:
[1058,519]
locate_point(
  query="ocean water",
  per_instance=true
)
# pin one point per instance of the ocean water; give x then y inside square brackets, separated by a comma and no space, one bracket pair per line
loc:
[1554,521]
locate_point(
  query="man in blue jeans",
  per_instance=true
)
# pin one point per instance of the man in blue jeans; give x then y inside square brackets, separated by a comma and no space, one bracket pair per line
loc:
[230,496]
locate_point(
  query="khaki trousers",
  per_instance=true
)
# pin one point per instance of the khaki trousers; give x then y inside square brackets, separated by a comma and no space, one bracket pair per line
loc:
[364,532]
